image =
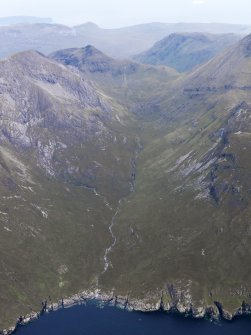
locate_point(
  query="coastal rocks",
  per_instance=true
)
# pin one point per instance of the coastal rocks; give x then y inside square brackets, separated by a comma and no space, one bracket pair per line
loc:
[163,302]
[199,312]
[212,312]
[245,309]
[144,306]
[121,302]
[22,321]
[182,309]
[85,296]
[222,312]
[8,332]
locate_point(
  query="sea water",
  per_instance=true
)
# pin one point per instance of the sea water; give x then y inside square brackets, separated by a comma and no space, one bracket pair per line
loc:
[91,319]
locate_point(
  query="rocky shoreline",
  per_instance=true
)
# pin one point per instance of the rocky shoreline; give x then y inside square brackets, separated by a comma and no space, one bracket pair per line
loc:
[214,312]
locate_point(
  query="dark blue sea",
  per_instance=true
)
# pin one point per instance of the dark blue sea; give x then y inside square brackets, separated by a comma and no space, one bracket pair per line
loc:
[90,319]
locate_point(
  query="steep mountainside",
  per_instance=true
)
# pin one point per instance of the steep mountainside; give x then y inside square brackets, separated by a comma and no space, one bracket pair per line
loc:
[184,51]
[119,43]
[66,159]
[187,223]
[126,179]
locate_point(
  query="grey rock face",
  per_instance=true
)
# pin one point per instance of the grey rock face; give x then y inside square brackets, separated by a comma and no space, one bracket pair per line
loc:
[37,95]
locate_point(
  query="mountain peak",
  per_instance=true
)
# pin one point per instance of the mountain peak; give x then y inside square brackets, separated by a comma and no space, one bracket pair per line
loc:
[27,53]
[28,57]
[90,50]
[87,56]
[88,26]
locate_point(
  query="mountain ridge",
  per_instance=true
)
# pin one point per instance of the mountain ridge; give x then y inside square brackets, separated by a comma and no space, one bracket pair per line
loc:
[184,51]
[119,43]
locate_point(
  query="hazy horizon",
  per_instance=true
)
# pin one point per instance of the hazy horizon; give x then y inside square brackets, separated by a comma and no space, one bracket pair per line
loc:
[113,14]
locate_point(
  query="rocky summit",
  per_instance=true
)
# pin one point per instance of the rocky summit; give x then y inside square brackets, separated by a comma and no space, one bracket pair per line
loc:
[126,182]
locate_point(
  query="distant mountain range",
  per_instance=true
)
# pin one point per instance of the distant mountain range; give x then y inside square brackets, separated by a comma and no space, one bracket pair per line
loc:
[118,43]
[183,51]
[10,20]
